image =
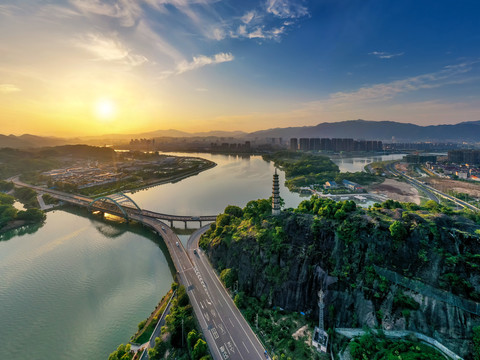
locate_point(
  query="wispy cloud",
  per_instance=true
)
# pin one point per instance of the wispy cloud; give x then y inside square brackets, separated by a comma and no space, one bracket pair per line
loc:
[385,91]
[126,11]
[270,21]
[202,60]
[249,15]
[8,88]
[385,55]
[109,49]
[286,9]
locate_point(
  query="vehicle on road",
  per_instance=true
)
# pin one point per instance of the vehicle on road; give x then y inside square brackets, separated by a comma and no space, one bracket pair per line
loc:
[195,251]
[178,245]
[163,228]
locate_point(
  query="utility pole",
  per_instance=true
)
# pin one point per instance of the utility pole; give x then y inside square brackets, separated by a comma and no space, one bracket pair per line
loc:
[182,333]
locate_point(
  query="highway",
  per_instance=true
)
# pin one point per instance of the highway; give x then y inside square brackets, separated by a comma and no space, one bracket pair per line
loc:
[431,191]
[227,333]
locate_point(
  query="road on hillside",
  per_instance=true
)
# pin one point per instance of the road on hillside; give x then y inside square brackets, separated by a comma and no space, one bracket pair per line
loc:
[227,319]
[227,333]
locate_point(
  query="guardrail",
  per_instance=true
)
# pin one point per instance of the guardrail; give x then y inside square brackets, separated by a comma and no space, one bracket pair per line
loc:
[152,337]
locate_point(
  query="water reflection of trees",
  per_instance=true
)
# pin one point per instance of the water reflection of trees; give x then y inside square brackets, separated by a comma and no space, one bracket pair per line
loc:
[23,230]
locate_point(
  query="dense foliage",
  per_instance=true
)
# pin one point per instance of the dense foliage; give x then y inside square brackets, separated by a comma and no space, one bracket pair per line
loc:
[180,322]
[14,162]
[9,213]
[122,353]
[275,259]
[305,169]
[371,347]
[27,197]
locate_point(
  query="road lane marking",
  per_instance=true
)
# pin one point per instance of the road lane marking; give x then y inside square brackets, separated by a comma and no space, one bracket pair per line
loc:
[224,352]
[214,333]
[231,322]
[232,311]
[245,347]
[230,347]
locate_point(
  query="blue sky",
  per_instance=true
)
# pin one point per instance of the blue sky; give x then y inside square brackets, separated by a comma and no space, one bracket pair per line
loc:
[247,65]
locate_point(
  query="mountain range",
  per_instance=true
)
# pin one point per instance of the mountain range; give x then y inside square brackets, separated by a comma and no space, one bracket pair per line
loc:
[380,130]
[356,129]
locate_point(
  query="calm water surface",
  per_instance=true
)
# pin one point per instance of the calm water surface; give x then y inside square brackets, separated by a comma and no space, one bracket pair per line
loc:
[234,181]
[77,287]
[354,164]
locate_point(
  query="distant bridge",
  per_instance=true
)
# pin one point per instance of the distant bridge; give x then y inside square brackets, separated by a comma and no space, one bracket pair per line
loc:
[117,204]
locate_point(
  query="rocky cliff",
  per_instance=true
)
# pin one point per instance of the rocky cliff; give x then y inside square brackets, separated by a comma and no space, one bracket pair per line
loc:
[396,266]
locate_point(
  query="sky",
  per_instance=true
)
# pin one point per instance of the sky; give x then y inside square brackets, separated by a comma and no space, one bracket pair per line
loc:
[91,67]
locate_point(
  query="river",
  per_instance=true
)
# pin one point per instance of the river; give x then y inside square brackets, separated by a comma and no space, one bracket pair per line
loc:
[77,287]
[354,164]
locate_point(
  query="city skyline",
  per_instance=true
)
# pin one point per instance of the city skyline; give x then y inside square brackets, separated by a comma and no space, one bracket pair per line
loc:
[95,67]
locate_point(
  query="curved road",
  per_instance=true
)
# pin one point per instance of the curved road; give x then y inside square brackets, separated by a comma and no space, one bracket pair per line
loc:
[227,333]
[431,191]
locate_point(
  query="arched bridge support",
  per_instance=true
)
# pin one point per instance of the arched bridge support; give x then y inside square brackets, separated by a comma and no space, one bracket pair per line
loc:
[119,200]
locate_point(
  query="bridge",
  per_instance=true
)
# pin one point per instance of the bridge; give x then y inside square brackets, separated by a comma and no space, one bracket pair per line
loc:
[226,331]
[118,204]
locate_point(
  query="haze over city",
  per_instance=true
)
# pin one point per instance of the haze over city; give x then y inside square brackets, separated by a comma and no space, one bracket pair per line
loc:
[84,67]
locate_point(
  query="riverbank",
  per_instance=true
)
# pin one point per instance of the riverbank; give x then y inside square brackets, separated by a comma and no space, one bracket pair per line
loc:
[172,179]
[180,337]
[137,185]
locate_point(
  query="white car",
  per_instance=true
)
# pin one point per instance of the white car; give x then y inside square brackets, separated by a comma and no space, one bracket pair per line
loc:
[178,245]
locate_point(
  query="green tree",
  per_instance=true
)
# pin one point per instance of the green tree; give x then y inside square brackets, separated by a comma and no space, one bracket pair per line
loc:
[31,215]
[122,353]
[200,349]
[228,277]
[398,231]
[192,339]
[234,211]
[476,343]
[6,199]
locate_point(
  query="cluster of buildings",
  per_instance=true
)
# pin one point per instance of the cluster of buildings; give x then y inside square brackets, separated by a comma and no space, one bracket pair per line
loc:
[335,145]
[231,147]
[471,157]
[464,172]
[420,159]
[423,146]
[347,184]
[83,177]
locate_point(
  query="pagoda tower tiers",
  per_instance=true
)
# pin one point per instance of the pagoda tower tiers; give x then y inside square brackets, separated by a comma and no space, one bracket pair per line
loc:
[275,195]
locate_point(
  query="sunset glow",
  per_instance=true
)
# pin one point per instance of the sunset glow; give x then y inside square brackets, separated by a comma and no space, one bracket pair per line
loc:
[105,109]
[233,65]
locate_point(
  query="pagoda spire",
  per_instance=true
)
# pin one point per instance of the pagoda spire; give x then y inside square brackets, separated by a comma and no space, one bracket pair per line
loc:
[275,195]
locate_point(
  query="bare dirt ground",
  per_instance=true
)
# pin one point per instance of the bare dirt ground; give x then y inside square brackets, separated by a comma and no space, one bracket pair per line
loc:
[401,166]
[396,190]
[445,185]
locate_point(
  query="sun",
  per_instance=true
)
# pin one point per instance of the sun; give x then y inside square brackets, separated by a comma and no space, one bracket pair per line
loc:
[105,109]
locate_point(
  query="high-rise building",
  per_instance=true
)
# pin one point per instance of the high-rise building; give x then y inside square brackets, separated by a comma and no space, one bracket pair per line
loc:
[304,144]
[294,144]
[275,195]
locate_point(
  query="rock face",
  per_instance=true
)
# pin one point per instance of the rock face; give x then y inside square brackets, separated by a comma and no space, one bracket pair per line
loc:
[315,252]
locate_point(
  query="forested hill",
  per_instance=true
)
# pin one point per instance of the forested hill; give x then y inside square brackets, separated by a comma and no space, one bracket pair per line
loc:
[373,257]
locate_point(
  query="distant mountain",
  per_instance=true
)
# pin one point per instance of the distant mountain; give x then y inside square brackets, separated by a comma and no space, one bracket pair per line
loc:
[357,129]
[379,130]
[29,141]
[162,133]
